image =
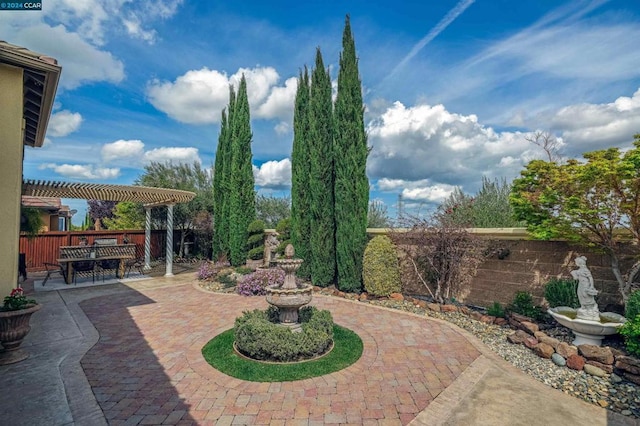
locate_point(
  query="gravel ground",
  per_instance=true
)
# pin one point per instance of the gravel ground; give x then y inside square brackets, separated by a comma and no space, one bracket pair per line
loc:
[610,392]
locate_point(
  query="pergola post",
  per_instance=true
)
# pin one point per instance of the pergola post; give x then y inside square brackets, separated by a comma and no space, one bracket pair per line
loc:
[169,256]
[147,239]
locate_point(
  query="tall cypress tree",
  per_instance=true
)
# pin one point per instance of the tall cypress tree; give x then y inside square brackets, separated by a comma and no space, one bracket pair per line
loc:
[242,202]
[220,241]
[300,169]
[351,188]
[323,261]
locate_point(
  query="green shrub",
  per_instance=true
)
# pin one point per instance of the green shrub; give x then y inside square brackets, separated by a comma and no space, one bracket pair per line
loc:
[496,310]
[258,337]
[284,235]
[633,305]
[630,330]
[380,269]
[226,279]
[562,292]
[523,304]
[255,241]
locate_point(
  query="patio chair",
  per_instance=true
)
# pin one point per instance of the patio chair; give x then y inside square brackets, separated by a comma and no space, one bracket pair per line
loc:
[83,266]
[54,268]
[137,264]
[108,265]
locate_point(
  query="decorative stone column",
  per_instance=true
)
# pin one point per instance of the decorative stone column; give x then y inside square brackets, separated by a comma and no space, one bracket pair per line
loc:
[169,256]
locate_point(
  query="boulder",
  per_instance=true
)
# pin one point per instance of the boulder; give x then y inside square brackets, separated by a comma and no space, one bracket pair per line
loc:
[520,318]
[449,308]
[476,315]
[396,296]
[433,307]
[500,321]
[487,319]
[628,364]
[364,296]
[422,304]
[633,378]
[464,310]
[529,327]
[596,353]
[530,342]
[551,341]
[558,360]
[575,362]
[566,350]
[604,367]
[543,350]
[594,371]
[518,337]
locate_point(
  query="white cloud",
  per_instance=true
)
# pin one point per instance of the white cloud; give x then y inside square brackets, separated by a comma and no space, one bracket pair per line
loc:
[63,123]
[434,194]
[429,142]
[198,96]
[280,101]
[81,62]
[273,174]
[172,154]
[122,150]
[134,29]
[282,128]
[78,171]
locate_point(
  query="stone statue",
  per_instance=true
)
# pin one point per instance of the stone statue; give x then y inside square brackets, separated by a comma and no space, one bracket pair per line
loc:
[586,291]
[270,246]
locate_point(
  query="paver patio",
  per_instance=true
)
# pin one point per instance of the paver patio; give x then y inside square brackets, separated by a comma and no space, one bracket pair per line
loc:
[147,365]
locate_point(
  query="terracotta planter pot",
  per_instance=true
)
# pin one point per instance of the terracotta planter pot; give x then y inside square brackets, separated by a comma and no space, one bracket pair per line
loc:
[14,327]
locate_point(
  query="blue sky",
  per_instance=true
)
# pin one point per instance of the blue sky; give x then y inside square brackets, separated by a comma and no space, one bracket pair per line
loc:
[452,88]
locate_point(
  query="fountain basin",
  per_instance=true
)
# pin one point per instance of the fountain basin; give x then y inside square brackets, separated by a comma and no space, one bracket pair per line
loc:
[288,301]
[587,332]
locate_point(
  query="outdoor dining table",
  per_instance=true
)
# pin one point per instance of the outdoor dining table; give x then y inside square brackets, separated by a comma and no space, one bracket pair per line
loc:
[69,261]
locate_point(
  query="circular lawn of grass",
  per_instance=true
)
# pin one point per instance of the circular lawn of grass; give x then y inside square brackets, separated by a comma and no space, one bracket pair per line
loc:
[219,353]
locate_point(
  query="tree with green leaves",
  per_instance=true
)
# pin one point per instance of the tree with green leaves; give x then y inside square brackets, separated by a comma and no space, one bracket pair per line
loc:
[300,171]
[351,185]
[488,208]
[594,202]
[271,209]
[126,215]
[186,177]
[242,209]
[321,177]
[221,182]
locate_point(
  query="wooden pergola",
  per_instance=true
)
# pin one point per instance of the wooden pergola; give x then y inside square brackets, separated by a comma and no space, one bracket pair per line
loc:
[149,196]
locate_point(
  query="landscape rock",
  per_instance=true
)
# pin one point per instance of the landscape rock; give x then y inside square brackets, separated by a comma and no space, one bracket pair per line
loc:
[422,304]
[594,371]
[449,308]
[530,342]
[500,321]
[433,307]
[487,319]
[517,337]
[364,296]
[633,378]
[529,327]
[615,378]
[476,315]
[520,318]
[396,296]
[575,362]
[566,350]
[605,367]
[596,353]
[558,360]
[628,364]
[464,310]
[551,341]
[543,350]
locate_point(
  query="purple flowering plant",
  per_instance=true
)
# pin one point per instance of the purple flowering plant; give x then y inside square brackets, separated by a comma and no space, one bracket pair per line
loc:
[255,283]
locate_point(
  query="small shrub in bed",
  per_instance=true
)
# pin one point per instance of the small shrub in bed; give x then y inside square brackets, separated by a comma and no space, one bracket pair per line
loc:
[380,270]
[630,330]
[257,337]
[255,283]
[562,292]
[632,308]
[523,304]
[496,310]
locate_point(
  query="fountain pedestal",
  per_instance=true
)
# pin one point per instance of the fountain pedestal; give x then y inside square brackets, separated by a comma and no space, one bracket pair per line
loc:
[289,297]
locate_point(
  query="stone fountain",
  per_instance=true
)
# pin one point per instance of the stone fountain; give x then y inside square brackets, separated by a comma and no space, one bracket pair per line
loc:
[588,324]
[289,297]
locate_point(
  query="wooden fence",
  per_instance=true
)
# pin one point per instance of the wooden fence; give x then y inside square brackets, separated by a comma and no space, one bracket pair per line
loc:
[46,247]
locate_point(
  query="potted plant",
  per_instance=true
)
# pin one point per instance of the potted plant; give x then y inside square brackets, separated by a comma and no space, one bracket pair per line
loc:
[14,325]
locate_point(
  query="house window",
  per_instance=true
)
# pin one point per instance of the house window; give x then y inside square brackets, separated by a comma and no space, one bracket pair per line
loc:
[61,224]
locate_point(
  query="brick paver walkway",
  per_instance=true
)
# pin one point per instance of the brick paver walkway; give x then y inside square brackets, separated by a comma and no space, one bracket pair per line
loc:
[147,367]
